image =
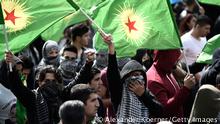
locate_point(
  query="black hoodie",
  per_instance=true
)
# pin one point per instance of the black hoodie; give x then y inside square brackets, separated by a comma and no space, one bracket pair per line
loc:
[209,77]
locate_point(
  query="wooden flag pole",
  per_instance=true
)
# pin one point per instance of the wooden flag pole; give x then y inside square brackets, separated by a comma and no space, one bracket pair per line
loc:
[74,5]
[197,3]
[100,30]
[5,34]
[187,67]
[6,44]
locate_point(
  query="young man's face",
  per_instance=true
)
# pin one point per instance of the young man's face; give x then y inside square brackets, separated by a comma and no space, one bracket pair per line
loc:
[96,81]
[204,30]
[92,105]
[85,39]
[48,76]
[69,55]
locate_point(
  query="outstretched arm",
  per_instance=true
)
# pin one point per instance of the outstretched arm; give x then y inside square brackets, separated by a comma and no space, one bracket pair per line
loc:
[25,95]
[113,75]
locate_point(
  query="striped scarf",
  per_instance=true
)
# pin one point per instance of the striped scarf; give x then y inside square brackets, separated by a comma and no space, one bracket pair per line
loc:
[42,109]
[131,110]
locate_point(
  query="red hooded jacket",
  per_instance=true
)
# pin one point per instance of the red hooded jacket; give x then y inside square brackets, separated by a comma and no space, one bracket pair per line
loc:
[163,85]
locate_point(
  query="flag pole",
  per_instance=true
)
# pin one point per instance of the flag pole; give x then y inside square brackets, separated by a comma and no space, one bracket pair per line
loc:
[197,3]
[5,34]
[100,30]
[6,44]
[74,5]
[187,67]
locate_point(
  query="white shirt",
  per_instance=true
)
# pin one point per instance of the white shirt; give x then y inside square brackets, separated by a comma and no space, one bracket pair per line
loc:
[192,47]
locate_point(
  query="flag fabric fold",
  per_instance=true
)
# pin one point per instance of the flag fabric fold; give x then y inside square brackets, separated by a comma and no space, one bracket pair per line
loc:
[137,24]
[55,32]
[207,52]
[212,2]
[26,19]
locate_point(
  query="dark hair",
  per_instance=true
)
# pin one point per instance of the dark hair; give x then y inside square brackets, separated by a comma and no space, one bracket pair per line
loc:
[203,20]
[189,2]
[67,31]
[70,48]
[72,111]
[93,72]
[78,30]
[81,92]
[183,27]
[26,62]
[49,69]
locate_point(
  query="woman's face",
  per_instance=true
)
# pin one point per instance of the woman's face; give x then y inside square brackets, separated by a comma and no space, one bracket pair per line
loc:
[102,91]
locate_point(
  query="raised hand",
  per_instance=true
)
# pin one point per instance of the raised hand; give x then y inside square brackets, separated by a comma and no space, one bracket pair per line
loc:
[90,55]
[107,38]
[9,58]
[137,88]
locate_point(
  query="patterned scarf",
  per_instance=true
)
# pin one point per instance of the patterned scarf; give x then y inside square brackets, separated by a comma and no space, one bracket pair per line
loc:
[42,109]
[131,110]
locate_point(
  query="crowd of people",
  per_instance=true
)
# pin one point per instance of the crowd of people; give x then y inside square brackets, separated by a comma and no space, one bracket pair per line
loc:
[69,82]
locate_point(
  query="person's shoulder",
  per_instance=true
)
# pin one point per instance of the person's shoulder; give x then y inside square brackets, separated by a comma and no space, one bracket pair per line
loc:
[186,37]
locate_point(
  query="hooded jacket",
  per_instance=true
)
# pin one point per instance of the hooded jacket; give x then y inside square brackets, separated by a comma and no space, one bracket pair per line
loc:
[46,60]
[116,81]
[163,85]
[206,105]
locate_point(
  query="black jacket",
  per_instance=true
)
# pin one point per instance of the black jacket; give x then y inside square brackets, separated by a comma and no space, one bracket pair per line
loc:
[27,97]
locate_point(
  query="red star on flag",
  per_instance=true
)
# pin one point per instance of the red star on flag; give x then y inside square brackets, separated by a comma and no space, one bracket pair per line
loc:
[130,25]
[11,16]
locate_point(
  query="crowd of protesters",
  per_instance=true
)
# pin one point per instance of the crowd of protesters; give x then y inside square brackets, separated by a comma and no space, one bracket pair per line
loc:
[69,82]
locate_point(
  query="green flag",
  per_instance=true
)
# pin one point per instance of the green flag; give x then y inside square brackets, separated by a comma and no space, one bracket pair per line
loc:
[207,52]
[212,2]
[137,24]
[55,32]
[26,19]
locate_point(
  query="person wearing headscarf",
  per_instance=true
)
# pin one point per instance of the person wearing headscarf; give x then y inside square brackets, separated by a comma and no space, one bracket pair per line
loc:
[206,107]
[131,99]
[50,54]
[7,101]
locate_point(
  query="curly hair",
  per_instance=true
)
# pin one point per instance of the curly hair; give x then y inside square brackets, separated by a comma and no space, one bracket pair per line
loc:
[49,69]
